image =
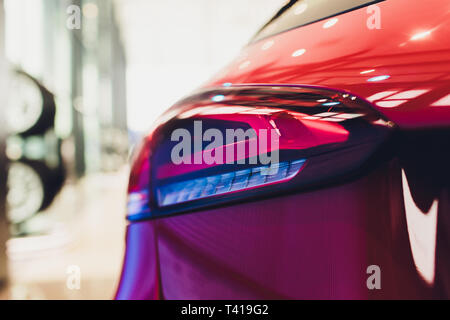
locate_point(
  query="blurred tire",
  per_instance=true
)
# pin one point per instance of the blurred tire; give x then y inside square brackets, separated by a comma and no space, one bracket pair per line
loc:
[31,107]
[31,188]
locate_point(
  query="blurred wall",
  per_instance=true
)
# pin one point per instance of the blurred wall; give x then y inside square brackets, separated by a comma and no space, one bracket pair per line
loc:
[174,46]
[84,67]
[3,225]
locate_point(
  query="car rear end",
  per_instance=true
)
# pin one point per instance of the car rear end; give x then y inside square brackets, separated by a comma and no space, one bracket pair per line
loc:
[353,182]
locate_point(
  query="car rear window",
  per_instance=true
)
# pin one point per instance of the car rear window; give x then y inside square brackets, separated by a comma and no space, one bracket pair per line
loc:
[297,13]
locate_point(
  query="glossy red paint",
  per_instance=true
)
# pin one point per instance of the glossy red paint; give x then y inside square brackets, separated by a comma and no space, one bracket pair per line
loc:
[142,258]
[412,47]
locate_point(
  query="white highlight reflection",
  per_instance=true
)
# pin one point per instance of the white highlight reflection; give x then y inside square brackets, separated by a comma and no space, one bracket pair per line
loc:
[422,233]
[298,52]
[444,102]
[420,35]
[301,8]
[408,94]
[367,71]
[330,23]
[244,64]
[380,95]
[391,103]
[267,45]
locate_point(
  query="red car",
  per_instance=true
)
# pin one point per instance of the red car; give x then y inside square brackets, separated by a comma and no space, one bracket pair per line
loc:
[351,197]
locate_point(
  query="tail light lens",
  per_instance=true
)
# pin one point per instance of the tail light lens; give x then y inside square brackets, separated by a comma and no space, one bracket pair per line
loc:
[234,181]
[138,205]
[317,137]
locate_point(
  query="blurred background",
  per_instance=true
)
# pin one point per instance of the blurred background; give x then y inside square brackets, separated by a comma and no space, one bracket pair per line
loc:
[80,82]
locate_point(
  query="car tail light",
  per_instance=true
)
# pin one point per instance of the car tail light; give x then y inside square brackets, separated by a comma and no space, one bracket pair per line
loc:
[225,183]
[138,194]
[319,136]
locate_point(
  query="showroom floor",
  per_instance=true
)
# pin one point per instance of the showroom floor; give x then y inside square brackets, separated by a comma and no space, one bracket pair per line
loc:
[80,253]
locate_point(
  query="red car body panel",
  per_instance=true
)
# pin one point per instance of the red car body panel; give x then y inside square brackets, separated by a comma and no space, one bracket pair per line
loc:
[316,244]
[336,56]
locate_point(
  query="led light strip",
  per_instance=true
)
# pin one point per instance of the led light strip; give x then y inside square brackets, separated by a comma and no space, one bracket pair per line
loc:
[201,188]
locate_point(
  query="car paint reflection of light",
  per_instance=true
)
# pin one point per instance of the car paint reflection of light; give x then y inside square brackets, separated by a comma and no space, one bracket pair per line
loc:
[379,78]
[444,102]
[408,94]
[390,104]
[349,115]
[330,23]
[333,116]
[326,114]
[301,8]
[367,71]
[224,110]
[392,99]
[298,53]
[380,95]
[244,64]
[422,229]
[274,125]
[420,35]
[193,112]
[267,45]
[333,103]
[218,98]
